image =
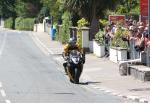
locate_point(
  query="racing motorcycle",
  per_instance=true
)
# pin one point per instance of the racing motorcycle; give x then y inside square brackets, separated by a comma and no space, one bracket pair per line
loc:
[74,66]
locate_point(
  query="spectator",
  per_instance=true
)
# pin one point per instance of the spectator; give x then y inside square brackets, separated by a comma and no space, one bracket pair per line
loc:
[145,35]
[107,38]
[136,34]
[139,44]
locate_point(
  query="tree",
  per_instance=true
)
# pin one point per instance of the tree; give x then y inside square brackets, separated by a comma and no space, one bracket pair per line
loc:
[27,8]
[65,27]
[44,12]
[126,6]
[91,10]
[55,8]
[7,8]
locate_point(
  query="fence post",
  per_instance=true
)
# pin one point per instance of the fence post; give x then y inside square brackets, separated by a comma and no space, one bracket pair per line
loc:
[85,38]
[73,32]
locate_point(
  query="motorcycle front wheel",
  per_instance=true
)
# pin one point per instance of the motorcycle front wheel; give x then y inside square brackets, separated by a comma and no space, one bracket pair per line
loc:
[76,76]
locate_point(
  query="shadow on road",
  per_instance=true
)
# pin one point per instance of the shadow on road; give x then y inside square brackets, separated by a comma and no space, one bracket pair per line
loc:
[140,89]
[65,93]
[89,82]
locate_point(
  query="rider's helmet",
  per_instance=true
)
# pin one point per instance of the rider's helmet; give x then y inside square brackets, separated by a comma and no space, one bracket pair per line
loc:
[72,42]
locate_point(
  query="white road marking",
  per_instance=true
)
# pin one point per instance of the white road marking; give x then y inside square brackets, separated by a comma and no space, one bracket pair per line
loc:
[3,44]
[7,101]
[1,85]
[43,44]
[19,32]
[132,97]
[61,69]
[92,69]
[3,93]
[143,100]
[120,95]
[96,87]
[115,94]
[108,91]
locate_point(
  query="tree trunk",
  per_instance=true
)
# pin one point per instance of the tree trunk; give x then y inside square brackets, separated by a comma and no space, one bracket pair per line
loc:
[94,21]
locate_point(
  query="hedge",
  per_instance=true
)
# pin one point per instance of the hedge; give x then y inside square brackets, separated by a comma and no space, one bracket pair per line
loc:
[9,23]
[24,23]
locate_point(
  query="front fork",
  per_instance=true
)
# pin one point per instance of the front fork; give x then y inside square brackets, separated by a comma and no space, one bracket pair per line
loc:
[70,71]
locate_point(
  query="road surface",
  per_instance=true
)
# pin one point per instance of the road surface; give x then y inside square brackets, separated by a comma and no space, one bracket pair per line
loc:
[27,75]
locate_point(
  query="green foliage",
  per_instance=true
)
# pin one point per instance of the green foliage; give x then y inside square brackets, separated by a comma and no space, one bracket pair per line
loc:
[55,8]
[27,8]
[57,35]
[89,8]
[21,8]
[136,10]
[58,32]
[57,38]
[99,37]
[108,12]
[92,10]
[127,6]
[81,23]
[121,9]
[24,23]
[79,37]
[103,22]
[44,12]
[65,27]
[8,23]
[117,39]
[7,8]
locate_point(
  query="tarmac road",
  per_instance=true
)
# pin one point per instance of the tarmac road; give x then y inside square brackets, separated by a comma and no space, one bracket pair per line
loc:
[27,75]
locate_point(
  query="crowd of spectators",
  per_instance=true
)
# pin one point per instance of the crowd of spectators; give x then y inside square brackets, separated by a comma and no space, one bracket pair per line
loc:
[136,36]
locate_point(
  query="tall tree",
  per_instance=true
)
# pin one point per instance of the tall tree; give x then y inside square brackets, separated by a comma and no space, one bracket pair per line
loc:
[126,6]
[90,9]
[27,8]
[7,8]
[129,4]
[55,8]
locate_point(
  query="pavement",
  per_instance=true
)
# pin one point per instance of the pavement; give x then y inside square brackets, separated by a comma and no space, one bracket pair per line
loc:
[100,73]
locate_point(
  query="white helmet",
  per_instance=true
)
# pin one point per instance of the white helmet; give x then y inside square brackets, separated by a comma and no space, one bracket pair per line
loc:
[72,42]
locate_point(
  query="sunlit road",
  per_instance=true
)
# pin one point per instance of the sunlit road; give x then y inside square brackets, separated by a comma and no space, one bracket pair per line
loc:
[27,75]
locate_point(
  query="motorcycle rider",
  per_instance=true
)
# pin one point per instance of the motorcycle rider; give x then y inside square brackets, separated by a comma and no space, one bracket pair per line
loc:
[72,45]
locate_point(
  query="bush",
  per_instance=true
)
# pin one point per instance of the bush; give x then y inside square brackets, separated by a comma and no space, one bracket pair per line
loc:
[65,27]
[57,38]
[24,23]
[99,37]
[81,23]
[117,39]
[103,22]
[9,23]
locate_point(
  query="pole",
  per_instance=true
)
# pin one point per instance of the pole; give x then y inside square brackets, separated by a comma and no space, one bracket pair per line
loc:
[149,19]
[148,49]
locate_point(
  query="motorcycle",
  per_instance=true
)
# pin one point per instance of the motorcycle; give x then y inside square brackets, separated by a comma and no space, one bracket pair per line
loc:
[74,65]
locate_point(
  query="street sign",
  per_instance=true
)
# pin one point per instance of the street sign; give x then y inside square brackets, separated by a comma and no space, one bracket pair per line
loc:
[144,11]
[117,18]
[144,7]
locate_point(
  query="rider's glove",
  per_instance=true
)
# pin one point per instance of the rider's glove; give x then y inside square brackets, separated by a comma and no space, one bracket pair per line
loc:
[83,58]
[66,58]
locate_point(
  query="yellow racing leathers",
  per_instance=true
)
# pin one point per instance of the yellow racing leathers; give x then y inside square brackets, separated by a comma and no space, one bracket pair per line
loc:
[68,48]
